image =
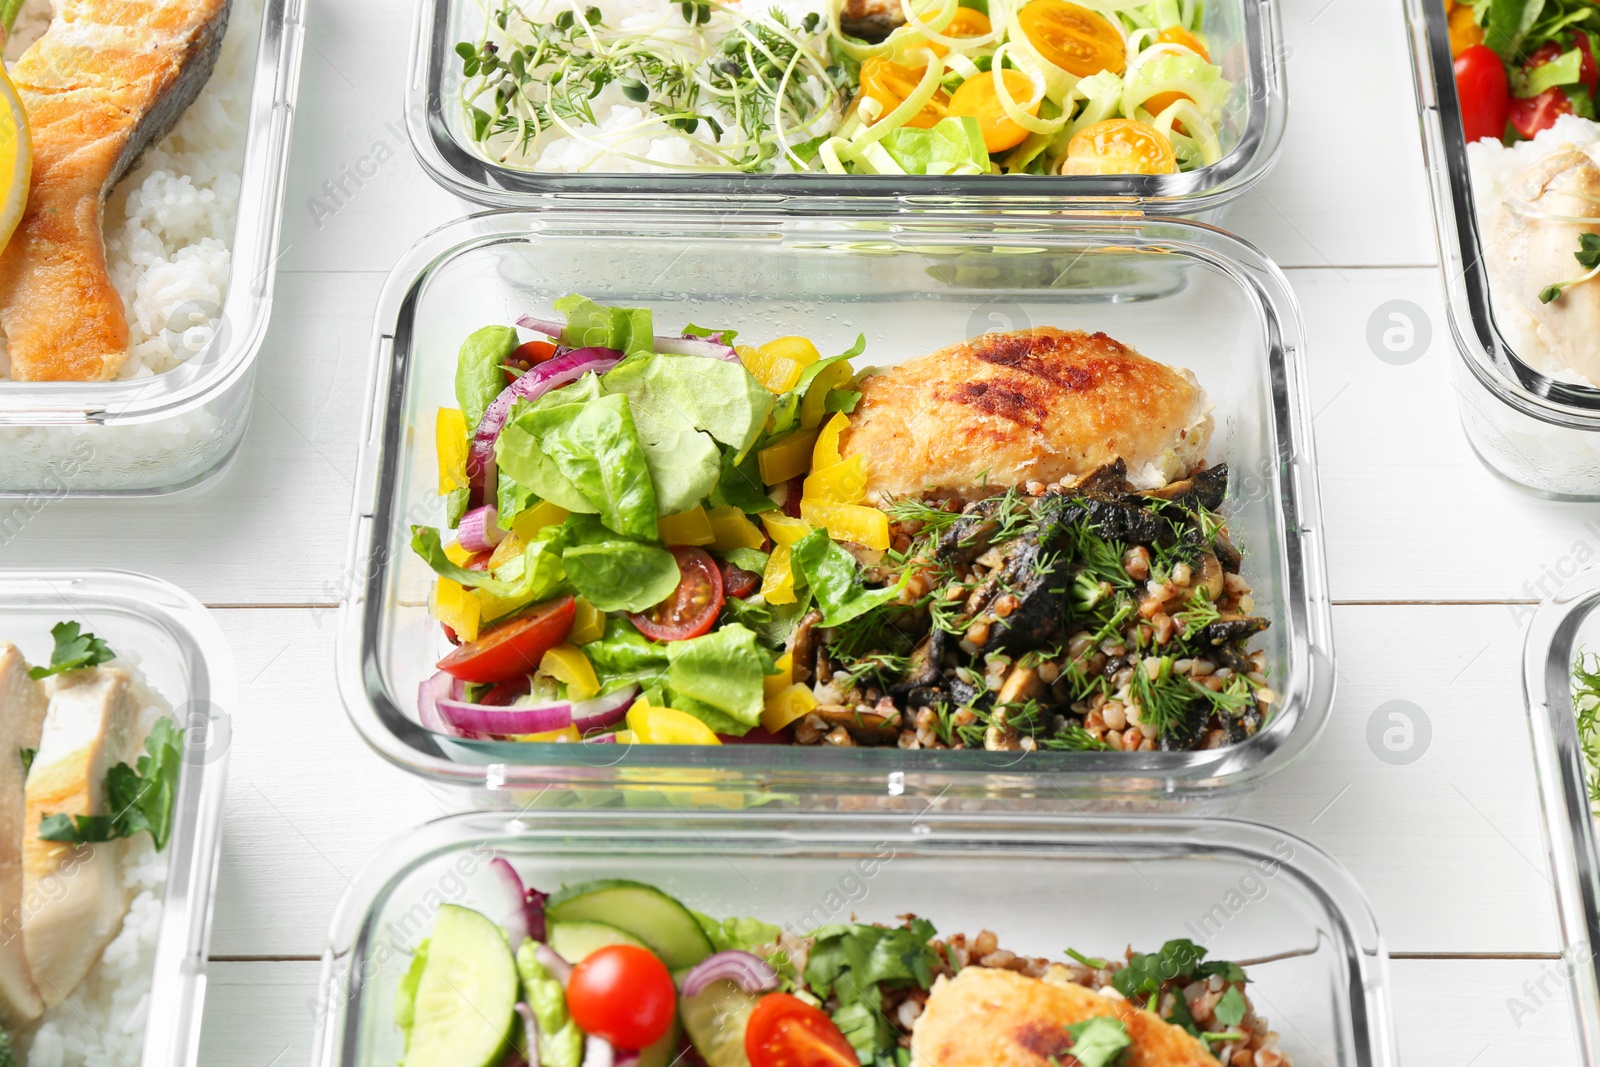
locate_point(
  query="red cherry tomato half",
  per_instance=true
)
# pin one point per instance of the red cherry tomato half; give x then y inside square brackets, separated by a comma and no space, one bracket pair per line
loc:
[694,605]
[624,994]
[785,1031]
[1588,71]
[1484,92]
[737,582]
[533,352]
[479,561]
[1531,114]
[513,647]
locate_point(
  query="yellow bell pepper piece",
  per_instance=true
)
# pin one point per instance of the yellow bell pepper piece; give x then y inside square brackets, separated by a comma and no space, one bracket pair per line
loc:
[691,527]
[777,583]
[825,453]
[775,683]
[626,737]
[457,608]
[505,551]
[668,726]
[588,623]
[528,524]
[791,703]
[783,529]
[567,664]
[849,522]
[789,458]
[842,483]
[566,734]
[777,373]
[450,439]
[730,529]
[814,406]
[456,554]
[1464,29]
[799,350]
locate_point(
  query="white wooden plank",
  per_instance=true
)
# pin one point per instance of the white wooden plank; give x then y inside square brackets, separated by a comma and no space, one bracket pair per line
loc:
[1410,512]
[1448,1013]
[308,805]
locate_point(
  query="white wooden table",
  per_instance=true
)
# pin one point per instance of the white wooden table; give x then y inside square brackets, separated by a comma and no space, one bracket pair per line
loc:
[1433,562]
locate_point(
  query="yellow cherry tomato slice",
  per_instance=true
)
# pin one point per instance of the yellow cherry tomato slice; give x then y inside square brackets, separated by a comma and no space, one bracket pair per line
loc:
[1079,41]
[1119,146]
[1179,35]
[977,97]
[889,83]
[966,23]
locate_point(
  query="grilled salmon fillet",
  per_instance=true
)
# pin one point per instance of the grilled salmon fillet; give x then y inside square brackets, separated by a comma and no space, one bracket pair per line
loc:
[109,78]
[1043,405]
[988,1017]
[22,709]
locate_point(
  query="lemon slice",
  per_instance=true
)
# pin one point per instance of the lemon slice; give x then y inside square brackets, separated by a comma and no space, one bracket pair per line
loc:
[16,158]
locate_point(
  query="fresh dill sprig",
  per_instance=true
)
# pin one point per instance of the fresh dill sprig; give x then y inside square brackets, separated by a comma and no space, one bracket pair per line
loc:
[1586,707]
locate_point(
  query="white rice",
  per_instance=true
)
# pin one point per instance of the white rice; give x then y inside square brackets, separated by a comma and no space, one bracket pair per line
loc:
[102,1023]
[169,224]
[1495,167]
[624,129]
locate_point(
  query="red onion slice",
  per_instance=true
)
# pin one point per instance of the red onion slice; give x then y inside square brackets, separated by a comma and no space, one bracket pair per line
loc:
[548,327]
[516,916]
[551,961]
[697,346]
[440,687]
[530,1035]
[598,1052]
[480,529]
[628,1058]
[605,710]
[479,719]
[749,972]
[553,373]
[602,739]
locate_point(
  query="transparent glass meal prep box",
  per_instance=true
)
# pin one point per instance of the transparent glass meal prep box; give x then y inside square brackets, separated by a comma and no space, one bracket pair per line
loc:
[1244,38]
[182,655]
[1566,627]
[170,431]
[1179,292]
[1252,894]
[1537,433]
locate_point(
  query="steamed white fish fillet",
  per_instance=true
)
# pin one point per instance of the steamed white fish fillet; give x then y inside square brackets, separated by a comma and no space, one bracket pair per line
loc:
[77,893]
[22,712]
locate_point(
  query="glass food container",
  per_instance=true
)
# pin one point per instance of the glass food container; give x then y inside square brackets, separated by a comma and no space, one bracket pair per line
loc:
[1566,627]
[162,433]
[182,655]
[1176,291]
[1245,40]
[1538,433]
[1273,902]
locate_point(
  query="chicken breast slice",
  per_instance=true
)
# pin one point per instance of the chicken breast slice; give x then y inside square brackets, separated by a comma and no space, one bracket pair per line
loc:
[76,894]
[1533,241]
[22,711]
[988,1017]
[1043,405]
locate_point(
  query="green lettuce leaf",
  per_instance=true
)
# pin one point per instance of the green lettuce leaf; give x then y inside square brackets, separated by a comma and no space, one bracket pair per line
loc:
[592,325]
[560,1040]
[722,669]
[940,149]
[624,656]
[713,395]
[835,580]
[740,485]
[512,498]
[479,377]
[595,446]
[1565,69]
[621,575]
[535,575]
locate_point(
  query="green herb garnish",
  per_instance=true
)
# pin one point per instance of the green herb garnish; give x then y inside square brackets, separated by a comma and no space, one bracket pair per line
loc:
[141,798]
[1588,257]
[75,649]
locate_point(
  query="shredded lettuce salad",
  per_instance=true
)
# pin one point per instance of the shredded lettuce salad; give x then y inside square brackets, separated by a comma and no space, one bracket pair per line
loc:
[956,88]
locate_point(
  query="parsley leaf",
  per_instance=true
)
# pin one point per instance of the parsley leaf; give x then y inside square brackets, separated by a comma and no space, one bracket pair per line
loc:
[1098,1042]
[1180,960]
[1230,1009]
[852,962]
[141,798]
[27,759]
[74,650]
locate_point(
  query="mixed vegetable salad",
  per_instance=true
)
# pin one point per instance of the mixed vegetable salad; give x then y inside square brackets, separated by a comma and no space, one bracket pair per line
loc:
[976,87]
[618,972]
[1521,64]
[658,541]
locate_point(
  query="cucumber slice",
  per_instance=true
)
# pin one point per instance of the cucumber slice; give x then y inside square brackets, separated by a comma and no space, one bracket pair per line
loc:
[466,996]
[663,1053]
[666,927]
[715,1019]
[574,941]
